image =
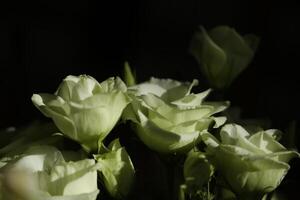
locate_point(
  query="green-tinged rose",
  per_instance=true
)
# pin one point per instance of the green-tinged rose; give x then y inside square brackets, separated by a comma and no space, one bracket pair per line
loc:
[252,164]
[83,109]
[223,54]
[41,173]
[116,170]
[168,117]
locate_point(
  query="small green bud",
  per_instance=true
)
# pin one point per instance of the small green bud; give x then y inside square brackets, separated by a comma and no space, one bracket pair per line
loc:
[129,76]
[116,170]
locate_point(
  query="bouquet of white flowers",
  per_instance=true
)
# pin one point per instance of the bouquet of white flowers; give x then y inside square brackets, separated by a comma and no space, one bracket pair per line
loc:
[183,139]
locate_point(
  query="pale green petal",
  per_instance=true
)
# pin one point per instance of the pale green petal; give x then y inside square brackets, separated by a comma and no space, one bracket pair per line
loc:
[101,100]
[48,103]
[256,184]
[130,111]
[166,84]
[178,92]
[216,107]
[274,133]
[84,88]
[248,159]
[116,170]
[153,101]
[64,123]
[191,101]
[181,116]
[114,145]
[165,121]
[284,156]
[167,89]
[73,178]
[93,125]
[229,40]
[191,126]
[219,121]
[160,120]
[155,86]
[147,88]
[209,139]
[119,85]
[113,84]
[162,140]
[65,89]
[266,142]
[96,117]
[233,134]
[73,79]
[66,126]
[108,84]
[239,53]
[173,114]
[259,143]
[36,158]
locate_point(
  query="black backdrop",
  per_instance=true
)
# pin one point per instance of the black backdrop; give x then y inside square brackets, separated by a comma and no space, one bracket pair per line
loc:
[43,41]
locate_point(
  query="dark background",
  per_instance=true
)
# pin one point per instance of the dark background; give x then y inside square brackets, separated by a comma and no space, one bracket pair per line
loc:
[43,41]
